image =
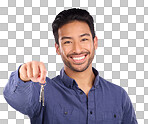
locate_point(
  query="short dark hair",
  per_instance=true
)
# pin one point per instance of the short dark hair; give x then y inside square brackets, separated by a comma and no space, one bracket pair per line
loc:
[70,15]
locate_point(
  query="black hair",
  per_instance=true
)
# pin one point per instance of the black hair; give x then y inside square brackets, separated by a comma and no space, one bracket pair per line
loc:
[70,15]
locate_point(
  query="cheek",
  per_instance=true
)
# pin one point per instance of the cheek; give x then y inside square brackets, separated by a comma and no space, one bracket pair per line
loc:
[89,47]
[64,51]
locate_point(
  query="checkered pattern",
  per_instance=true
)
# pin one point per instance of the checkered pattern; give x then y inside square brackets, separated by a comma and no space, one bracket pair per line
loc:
[121,57]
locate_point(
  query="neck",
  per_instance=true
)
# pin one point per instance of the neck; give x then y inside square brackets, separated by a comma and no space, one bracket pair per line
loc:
[84,79]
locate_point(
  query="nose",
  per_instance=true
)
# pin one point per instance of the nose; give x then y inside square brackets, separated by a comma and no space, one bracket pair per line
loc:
[77,47]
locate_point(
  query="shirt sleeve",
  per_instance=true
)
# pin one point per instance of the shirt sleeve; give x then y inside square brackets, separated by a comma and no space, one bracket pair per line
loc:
[22,96]
[129,116]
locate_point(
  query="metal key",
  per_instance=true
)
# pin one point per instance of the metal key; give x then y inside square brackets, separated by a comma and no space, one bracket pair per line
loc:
[41,99]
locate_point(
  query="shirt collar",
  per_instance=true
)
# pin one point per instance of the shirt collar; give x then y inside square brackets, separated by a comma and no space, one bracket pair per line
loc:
[69,82]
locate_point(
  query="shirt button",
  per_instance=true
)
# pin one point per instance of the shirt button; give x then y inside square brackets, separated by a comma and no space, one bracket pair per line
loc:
[65,113]
[91,112]
[81,92]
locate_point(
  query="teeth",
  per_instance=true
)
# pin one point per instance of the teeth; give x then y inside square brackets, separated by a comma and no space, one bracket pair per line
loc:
[79,58]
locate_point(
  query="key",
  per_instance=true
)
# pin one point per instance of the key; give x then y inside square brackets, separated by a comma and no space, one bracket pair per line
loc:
[41,99]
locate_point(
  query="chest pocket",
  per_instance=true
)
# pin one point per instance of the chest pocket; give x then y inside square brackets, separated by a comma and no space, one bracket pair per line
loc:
[110,117]
[65,114]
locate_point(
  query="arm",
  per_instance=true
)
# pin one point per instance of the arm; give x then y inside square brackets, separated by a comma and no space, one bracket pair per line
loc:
[22,96]
[129,116]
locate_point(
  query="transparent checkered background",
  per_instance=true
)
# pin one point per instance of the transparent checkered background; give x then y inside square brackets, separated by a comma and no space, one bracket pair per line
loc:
[121,57]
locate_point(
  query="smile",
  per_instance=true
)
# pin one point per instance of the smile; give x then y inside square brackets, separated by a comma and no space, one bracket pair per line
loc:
[79,59]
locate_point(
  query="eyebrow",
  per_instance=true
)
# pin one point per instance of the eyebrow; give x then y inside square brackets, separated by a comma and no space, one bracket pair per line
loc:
[82,35]
[66,38]
[86,34]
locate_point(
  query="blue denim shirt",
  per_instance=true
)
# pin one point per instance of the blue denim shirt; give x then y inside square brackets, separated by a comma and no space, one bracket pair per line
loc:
[66,103]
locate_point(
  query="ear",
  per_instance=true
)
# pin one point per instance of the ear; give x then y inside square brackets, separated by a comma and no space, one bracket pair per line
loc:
[95,42]
[57,49]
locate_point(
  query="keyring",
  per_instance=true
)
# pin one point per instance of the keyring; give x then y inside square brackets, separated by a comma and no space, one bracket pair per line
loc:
[43,84]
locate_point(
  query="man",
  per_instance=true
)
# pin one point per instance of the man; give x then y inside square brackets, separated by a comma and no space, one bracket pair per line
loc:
[78,95]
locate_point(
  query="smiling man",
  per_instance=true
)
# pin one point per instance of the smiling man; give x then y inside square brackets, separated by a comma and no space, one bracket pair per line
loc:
[78,95]
[77,48]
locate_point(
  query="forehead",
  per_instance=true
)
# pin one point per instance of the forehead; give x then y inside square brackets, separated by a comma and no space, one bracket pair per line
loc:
[74,28]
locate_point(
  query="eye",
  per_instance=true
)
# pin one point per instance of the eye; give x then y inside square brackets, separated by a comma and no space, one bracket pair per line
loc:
[84,39]
[67,42]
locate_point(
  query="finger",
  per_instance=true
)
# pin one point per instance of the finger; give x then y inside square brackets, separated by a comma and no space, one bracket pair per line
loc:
[35,69]
[29,70]
[23,72]
[43,72]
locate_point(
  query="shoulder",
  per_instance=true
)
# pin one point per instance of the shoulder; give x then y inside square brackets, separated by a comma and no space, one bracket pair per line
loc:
[112,88]
[114,95]
[107,84]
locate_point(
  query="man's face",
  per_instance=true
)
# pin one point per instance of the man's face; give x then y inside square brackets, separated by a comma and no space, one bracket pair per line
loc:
[76,45]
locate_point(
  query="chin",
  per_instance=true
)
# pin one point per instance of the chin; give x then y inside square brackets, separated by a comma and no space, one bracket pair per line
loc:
[79,69]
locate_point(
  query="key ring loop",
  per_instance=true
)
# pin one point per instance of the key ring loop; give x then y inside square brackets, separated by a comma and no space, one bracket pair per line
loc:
[43,84]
